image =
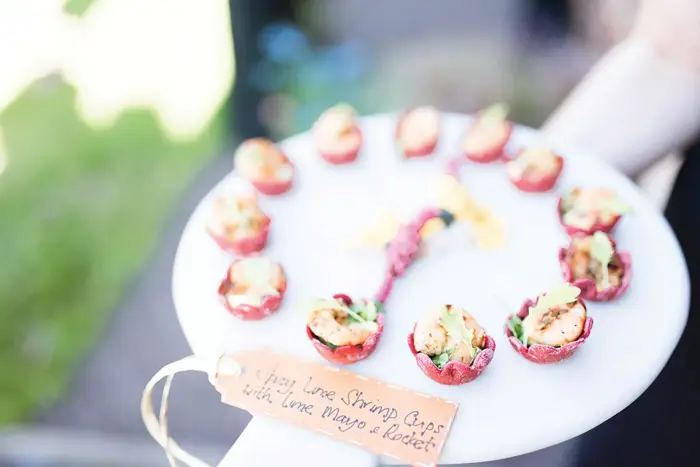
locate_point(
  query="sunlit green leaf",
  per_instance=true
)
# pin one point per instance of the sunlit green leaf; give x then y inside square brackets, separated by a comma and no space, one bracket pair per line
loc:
[440,360]
[601,248]
[453,322]
[615,206]
[560,295]
[495,113]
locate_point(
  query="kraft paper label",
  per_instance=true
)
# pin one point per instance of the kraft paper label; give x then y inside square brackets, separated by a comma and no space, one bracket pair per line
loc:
[380,417]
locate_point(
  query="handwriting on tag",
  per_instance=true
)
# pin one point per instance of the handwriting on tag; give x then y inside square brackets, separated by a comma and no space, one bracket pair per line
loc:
[380,417]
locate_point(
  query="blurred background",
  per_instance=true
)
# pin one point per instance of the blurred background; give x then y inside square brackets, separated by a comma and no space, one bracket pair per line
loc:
[117,116]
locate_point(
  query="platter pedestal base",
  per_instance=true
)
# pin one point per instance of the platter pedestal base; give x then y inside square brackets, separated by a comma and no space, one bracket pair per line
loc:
[270,442]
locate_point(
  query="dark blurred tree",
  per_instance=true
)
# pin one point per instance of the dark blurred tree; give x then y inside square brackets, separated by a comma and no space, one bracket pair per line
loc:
[249,18]
[549,20]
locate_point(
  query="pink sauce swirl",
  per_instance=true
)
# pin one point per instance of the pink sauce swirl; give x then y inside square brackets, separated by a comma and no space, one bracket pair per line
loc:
[402,250]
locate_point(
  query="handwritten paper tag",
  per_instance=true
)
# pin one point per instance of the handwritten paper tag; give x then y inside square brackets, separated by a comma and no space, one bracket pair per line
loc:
[386,419]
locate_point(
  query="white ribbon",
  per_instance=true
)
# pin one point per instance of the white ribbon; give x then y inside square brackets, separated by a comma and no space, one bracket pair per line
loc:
[158,426]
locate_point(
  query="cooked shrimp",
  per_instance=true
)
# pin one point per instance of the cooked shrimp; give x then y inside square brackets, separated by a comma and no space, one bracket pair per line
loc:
[419,126]
[483,135]
[264,273]
[431,338]
[236,218]
[583,265]
[585,209]
[462,353]
[259,158]
[533,163]
[332,325]
[556,326]
[334,129]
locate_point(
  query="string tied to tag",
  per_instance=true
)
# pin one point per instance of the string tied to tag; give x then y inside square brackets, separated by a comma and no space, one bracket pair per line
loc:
[157,426]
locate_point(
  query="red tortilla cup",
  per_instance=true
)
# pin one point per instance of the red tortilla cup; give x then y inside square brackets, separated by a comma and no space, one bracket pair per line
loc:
[266,185]
[542,184]
[347,156]
[588,286]
[348,354]
[425,149]
[454,373]
[270,304]
[544,354]
[596,227]
[247,245]
[274,187]
[491,152]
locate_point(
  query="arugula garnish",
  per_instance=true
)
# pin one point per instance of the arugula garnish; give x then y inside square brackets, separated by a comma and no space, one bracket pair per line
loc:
[354,313]
[495,113]
[441,360]
[515,325]
[453,324]
[567,202]
[363,312]
[602,251]
[379,305]
[258,273]
[455,327]
[615,206]
[326,343]
[257,268]
[560,295]
[257,155]
[369,312]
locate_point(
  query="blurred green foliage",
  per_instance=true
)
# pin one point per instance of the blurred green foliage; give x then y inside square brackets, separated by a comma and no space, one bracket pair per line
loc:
[80,210]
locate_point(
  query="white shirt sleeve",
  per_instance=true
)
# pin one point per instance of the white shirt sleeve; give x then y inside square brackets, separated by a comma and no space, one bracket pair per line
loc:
[642,100]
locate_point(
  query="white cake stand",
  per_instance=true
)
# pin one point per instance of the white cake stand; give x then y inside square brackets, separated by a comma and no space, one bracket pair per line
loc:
[516,406]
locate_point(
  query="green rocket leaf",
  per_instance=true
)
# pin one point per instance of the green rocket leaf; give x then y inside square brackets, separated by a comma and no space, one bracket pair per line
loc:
[560,295]
[515,325]
[495,113]
[453,324]
[354,314]
[455,327]
[369,311]
[257,269]
[602,250]
[615,206]
[440,360]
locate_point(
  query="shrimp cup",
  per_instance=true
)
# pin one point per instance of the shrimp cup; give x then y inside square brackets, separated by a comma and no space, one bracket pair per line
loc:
[589,210]
[593,264]
[418,131]
[535,170]
[345,331]
[550,328]
[253,288]
[267,168]
[238,225]
[450,347]
[337,136]
[486,139]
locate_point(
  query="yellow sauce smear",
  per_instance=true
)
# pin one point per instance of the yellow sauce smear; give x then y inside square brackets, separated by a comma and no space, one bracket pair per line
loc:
[487,228]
